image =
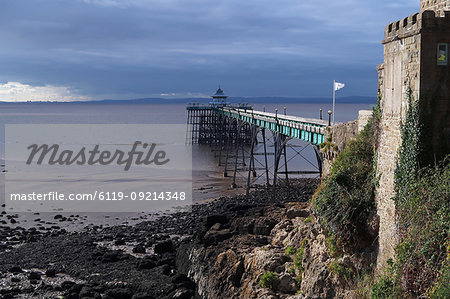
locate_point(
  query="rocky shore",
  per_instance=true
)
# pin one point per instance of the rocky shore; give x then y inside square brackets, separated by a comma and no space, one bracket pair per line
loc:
[218,250]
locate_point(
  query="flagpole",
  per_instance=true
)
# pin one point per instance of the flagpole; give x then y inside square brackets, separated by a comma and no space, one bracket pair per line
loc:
[334,97]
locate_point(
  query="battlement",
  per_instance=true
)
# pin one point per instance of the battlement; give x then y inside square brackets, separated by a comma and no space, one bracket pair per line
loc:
[417,23]
[435,23]
[439,6]
[403,28]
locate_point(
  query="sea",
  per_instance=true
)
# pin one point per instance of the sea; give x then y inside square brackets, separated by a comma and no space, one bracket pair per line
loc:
[208,181]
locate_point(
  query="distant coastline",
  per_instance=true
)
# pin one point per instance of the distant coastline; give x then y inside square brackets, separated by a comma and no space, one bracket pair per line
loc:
[344,100]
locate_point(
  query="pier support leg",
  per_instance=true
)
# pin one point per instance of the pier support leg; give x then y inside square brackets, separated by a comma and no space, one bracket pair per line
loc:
[228,148]
[252,157]
[238,142]
[319,159]
[285,164]
[265,158]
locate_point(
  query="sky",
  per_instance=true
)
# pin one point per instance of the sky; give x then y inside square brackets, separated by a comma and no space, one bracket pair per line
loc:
[124,49]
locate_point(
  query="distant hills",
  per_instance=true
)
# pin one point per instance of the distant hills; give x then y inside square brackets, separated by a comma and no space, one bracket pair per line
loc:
[349,100]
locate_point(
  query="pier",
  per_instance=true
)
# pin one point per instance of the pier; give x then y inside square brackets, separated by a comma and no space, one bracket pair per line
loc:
[253,144]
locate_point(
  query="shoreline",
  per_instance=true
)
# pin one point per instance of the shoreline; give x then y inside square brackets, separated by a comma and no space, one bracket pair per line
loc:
[137,260]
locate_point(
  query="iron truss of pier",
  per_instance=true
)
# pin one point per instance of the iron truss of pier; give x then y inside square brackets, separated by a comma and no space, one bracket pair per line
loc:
[253,144]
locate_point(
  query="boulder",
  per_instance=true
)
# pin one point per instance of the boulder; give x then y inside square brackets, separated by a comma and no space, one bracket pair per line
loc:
[294,213]
[263,226]
[139,249]
[287,284]
[164,247]
[119,293]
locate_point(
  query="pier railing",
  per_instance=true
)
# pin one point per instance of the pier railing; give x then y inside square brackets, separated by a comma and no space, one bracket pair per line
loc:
[306,129]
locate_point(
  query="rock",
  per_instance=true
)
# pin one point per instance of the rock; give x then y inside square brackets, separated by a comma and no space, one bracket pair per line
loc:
[179,278]
[34,275]
[13,221]
[183,293]
[119,293]
[146,263]
[263,226]
[189,284]
[71,296]
[374,224]
[263,259]
[287,284]
[15,269]
[59,216]
[216,227]
[50,272]
[294,213]
[86,291]
[119,242]
[139,249]
[110,257]
[66,285]
[142,295]
[213,237]
[213,219]
[15,279]
[164,247]
[236,273]
[182,281]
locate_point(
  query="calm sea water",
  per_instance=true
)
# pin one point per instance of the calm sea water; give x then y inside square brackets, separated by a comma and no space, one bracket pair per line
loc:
[206,175]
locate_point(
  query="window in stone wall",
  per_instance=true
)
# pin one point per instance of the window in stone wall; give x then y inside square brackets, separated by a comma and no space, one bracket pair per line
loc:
[442,54]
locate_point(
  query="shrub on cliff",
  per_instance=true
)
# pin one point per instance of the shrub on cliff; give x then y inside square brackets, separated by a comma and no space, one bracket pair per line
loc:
[270,280]
[345,199]
[423,254]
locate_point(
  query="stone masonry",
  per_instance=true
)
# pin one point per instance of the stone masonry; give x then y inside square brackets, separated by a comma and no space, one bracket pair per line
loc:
[438,6]
[410,53]
[340,135]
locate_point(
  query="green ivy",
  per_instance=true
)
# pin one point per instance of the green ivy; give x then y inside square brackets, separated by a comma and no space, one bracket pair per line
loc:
[407,163]
[423,217]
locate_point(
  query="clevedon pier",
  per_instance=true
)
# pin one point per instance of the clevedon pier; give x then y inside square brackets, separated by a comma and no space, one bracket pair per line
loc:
[252,146]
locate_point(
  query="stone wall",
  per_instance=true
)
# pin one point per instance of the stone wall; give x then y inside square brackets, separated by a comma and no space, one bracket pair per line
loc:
[401,68]
[340,135]
[434,88]
[363,119]
[410,60]
[437,5]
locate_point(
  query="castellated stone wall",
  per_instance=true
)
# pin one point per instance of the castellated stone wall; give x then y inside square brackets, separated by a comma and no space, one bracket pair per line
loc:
[439,6]
[410,60]
[401,68]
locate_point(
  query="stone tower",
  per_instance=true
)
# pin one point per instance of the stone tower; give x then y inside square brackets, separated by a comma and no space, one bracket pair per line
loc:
[439,6]
[416,52]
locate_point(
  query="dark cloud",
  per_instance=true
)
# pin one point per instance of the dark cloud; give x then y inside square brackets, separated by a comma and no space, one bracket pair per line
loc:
[112,48]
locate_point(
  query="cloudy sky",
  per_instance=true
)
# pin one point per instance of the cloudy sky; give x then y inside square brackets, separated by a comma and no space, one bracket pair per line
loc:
[121,49]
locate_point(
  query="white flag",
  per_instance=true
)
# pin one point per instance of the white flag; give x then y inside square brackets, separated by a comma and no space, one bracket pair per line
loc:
[338,85]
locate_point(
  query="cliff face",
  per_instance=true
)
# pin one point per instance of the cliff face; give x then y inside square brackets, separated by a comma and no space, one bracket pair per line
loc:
[229,259]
